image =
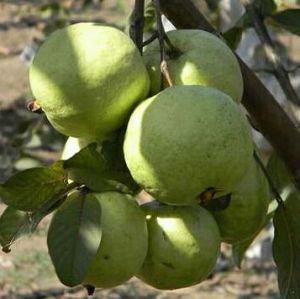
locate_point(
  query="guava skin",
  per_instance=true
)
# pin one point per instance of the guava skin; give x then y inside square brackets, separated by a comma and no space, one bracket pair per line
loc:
[87,78]
[248,207]
[185,140]
[124,241]
[184,244]
[204,59]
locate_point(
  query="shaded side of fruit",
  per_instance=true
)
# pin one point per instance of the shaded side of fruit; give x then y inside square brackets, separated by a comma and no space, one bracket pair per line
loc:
[248,207]
[124,241]
[184,244]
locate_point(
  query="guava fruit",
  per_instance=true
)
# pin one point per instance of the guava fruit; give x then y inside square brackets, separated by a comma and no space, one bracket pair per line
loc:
[202,58]
[184,244]
[124,241]
[185,140]
[73,146]
[87,78]
[248,207]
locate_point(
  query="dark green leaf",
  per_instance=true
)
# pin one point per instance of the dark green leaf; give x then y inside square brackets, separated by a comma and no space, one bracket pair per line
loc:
[265,7]
[278,173]
[286,246]
[289,20]
[15,224]
[11,224]
[213,5]
[149,15]
[233,37]
[101,168]
[74,237]
[29,189]
[239,249]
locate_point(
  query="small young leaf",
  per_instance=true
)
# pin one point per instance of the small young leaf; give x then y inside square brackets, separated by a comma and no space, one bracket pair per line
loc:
[29,189]
[288,19]
[278,173]
[265,7]
[149,15]
[11,223]
[286,246]
[239,249]
[101,169]
[233,36]
[74,237]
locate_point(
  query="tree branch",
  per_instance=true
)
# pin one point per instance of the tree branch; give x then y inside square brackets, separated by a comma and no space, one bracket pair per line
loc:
[137,24]
[279,70]
[265,112]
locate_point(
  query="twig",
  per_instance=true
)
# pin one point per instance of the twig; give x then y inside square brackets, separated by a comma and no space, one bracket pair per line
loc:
[153,37]
[269,179]
[137,24]
[271,71]
[279,70]
[161,39]
[265,112]
[32,21]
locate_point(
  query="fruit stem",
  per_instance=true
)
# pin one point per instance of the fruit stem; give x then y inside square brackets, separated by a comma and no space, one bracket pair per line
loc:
[269,179]
[161,38]
[34,107]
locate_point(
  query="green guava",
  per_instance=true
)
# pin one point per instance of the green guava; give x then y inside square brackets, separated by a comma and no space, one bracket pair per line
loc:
[184,244]
[202,59]
[248,207]
[87,78]
[185,140]
[124,241]
[73,146]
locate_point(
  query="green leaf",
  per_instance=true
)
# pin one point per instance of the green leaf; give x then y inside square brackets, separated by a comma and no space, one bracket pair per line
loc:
[289,20]
[239,249]
[286,246]
[278,173]
[11,227]
[101,168]
[74,237]
[31,188]
[149,15]
[265,7]
[15,224]
[233,36]
[213,5]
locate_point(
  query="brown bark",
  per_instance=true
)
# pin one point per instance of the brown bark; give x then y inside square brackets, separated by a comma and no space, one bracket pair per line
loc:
[265,112]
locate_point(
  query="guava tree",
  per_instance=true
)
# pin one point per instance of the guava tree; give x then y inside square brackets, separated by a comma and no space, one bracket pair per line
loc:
[211,184]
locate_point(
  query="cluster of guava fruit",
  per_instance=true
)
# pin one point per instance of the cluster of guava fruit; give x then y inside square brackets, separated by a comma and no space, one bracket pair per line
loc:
[188,145]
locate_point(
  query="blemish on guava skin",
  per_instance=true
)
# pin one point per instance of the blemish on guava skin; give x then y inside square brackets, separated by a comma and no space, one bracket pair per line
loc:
[206,196]
[106,257]
[169,265]
[164,236]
